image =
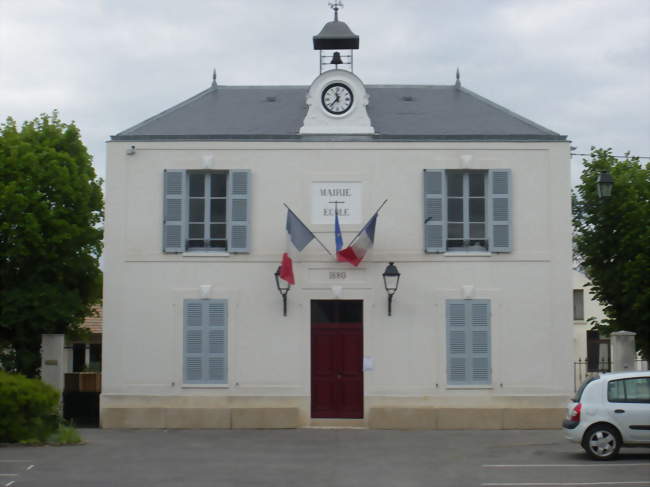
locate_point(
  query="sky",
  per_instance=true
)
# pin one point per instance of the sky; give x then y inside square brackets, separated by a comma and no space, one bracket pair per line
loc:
[578,67]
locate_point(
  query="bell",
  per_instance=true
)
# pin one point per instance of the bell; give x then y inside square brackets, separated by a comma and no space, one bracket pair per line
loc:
[336,58]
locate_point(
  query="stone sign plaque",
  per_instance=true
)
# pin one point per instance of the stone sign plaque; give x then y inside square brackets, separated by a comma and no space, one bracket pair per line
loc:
[323,196]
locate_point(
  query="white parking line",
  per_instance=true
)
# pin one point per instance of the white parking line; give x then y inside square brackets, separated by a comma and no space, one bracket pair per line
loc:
[590,465]
[16,461]
[8,475]
[9,484]
[30,467]
[560,484]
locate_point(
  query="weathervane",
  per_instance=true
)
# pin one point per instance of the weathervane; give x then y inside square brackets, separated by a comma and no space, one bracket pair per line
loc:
[336,5]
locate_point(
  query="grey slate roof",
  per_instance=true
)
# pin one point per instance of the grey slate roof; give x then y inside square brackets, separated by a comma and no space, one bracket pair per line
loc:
[397,112]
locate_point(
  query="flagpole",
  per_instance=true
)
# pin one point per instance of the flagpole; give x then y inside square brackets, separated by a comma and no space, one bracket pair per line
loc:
[357,236]
[317,239]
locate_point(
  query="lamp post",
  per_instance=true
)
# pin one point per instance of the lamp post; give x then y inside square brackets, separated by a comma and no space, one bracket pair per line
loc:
[391,281]
[283,287]
[604,185]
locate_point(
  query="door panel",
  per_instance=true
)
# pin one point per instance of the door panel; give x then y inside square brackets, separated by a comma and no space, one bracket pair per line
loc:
[337,359]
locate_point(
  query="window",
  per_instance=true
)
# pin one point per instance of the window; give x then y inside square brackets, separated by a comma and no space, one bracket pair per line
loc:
[629,390]
[468,342]
[205,345]
[578,305]
[206,210]
[467,210]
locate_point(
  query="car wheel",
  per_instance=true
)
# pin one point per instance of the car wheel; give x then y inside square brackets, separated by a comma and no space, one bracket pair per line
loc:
[602,442]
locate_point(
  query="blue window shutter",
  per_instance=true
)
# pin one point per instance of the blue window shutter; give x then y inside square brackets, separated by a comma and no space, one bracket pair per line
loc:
[435,234]
[479,338]
[205,341]
[239,211]
[457,352]
[217,340]
[500,193]
[193,342]
[174,211]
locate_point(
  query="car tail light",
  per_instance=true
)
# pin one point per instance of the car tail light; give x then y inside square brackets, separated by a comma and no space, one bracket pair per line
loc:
[575,413]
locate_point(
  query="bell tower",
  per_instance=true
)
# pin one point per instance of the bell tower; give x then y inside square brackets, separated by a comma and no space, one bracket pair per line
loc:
[335,37]
[337,98]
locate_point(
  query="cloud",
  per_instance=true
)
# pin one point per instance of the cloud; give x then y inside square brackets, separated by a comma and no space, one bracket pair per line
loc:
[579,67]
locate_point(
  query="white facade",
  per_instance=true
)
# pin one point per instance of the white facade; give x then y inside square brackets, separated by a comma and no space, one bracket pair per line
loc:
[269,354]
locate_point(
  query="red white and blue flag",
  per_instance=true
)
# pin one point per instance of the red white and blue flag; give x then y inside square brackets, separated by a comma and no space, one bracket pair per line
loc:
[298,237]
[338,237]
[357,250]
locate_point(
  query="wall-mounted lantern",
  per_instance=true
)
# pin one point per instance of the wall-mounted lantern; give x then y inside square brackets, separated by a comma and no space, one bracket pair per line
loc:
[604,185]
[391,281]
[283,287]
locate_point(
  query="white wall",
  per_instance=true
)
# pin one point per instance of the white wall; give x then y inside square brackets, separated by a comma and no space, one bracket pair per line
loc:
[530,288]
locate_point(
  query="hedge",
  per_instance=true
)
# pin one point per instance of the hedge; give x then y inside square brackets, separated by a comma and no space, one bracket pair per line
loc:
[29,409]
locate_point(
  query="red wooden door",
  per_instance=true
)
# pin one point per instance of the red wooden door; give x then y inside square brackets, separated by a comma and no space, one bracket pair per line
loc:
[336,370]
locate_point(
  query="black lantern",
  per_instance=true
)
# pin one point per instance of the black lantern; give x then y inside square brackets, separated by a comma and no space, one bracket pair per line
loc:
[604,185]
[283,287]
[391,281]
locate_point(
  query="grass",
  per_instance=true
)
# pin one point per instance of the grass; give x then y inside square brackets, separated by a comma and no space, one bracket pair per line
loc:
[65,435]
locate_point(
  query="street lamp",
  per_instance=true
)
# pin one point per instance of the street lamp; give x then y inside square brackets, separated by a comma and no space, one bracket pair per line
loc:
[604,185]
[391,281]
[283,287]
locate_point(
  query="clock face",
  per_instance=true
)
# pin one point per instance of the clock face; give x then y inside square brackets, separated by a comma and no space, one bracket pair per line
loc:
[337,98]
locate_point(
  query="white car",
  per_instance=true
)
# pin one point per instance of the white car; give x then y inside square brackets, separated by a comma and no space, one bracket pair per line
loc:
[609,411]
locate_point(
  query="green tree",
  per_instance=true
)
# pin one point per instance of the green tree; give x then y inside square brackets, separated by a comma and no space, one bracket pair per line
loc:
[612,242]
[51,205]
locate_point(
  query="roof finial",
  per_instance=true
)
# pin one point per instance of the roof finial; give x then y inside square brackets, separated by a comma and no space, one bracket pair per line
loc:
[214,77]
[457,85]
[336,5]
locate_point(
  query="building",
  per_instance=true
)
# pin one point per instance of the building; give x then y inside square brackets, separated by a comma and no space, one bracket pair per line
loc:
[477,222]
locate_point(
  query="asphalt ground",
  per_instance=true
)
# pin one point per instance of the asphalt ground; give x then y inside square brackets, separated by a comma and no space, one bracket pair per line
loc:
[318,457]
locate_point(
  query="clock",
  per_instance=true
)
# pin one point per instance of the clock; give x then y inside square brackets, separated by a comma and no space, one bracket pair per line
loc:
[337,98]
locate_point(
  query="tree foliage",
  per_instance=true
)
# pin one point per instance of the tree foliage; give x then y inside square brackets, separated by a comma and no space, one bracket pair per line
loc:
[612,242]
[51,205]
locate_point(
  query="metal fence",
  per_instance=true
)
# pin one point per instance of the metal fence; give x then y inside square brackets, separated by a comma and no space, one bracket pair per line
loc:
[583,370]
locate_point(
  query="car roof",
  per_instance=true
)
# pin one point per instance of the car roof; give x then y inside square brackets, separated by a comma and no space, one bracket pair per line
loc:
[625,375]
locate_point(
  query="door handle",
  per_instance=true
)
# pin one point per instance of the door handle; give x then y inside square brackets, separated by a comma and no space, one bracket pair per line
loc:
[619,410]
[338,376]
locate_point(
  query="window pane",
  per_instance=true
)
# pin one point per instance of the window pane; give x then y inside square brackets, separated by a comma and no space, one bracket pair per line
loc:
[475,245]
[616,391]
[195,244]
[455,244]
[454,184]
[578,304]
[455,230]
[218,185]
[197,210]
[637,390]
[217,210]
[218,244]
[197,185]
[196,231]
[476,230]
[218,231]
[477,184]
[455,210]
[476,209]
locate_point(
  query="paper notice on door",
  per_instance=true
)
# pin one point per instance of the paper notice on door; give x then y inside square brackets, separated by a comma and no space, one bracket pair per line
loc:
[368,363]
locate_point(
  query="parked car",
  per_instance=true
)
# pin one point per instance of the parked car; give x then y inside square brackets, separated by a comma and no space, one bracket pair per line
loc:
[610,411]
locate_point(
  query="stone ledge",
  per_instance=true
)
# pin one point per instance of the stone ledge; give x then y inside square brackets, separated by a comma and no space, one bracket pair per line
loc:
[421,418]
[265,418]
[403,418]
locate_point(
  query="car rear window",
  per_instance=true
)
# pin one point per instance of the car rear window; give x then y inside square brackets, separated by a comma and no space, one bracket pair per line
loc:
[581,389]
[635,389]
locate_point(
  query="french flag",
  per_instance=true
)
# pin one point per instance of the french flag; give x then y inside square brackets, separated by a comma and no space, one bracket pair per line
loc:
[338,237]
[357,250]
[298,237]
